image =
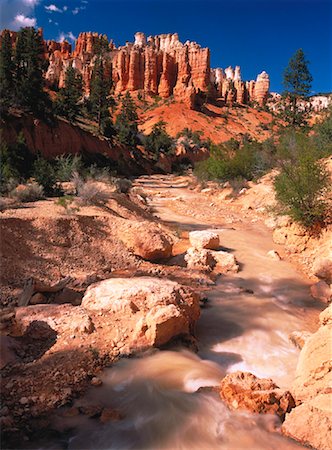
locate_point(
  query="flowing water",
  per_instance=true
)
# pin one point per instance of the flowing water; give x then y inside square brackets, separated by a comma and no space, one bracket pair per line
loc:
[245,326]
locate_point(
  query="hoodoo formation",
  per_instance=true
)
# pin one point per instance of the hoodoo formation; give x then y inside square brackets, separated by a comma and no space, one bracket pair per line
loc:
[157,65]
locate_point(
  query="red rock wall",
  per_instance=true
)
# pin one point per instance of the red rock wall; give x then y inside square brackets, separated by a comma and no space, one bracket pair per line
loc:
[159,65]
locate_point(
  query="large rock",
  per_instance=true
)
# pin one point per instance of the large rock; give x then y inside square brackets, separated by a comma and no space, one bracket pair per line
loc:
[243,390]
[204,239]
[158,309]
[225,262]
[146,240]
[322,268]
[314,369]
[311,423]
[66,318]
[321,291]
[199,259]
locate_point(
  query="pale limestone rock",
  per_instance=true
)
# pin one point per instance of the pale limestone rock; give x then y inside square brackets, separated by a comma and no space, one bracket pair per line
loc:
[311,423]
[225,262]
[206,239]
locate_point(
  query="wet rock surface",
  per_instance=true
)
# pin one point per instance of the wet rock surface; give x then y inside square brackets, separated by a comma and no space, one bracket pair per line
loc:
[243,390]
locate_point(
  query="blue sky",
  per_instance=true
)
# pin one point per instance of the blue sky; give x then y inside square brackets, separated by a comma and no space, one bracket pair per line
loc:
[255,34]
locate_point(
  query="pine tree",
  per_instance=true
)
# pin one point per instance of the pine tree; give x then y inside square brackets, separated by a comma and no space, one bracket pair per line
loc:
[29,65]
[6,72]
[16,160]
[126,122]
[297,83]
[69,96]
[100,100]
[159,141]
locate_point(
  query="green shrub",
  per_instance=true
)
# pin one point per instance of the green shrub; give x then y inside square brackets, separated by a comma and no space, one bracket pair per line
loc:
[66,165]
[67,203]
[300,189]
[44,174]
[228,161]
[159,141]
[16,160]
[323,135]
[90,193]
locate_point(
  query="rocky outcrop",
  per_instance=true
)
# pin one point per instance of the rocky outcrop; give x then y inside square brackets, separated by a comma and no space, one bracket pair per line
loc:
[243,390]
[158,65]
[310,422]
[230,87]
[158,309]
[314,368]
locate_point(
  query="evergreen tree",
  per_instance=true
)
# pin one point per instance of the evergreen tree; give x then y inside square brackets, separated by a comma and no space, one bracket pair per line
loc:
[158,141]
[69,96]
[297,83]
[28,76]
[6,72]
[100,100]
[126,122]
[16,160]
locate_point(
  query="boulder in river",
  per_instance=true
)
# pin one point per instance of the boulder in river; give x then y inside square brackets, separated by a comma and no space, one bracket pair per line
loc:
[147,240]
[207,239]
[243,390]
[321,291]
[158,309]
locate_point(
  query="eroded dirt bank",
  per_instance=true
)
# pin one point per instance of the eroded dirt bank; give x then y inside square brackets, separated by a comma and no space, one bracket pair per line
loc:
[245,325]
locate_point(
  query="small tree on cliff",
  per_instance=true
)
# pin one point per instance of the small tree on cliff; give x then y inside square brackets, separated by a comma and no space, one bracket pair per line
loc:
[159,141]
[100,99]
[297,83]
[69,96]
[6,72]
[126,122]
[28,73]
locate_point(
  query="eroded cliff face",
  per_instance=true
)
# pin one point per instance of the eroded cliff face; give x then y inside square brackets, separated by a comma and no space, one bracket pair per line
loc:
[157,65]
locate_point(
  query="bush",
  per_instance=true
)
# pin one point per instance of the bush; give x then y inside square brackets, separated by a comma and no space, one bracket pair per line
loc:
[16,160]
[300,189]
[67,203]
[44,174]
[96,173]
[158,141]
[30,192]
[228,161]
[90,193]
[67,165]
[123,185]
[323,136]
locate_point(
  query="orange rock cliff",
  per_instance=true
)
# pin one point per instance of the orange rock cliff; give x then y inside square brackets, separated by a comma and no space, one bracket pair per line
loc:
[157,65]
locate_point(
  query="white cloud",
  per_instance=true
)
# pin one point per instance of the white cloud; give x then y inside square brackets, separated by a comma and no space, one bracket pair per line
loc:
[22,21]
[53,8]
[15,14]
[85,1]
[50,20]
[78,9]
[67,37]
[65,8]
[31,2]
